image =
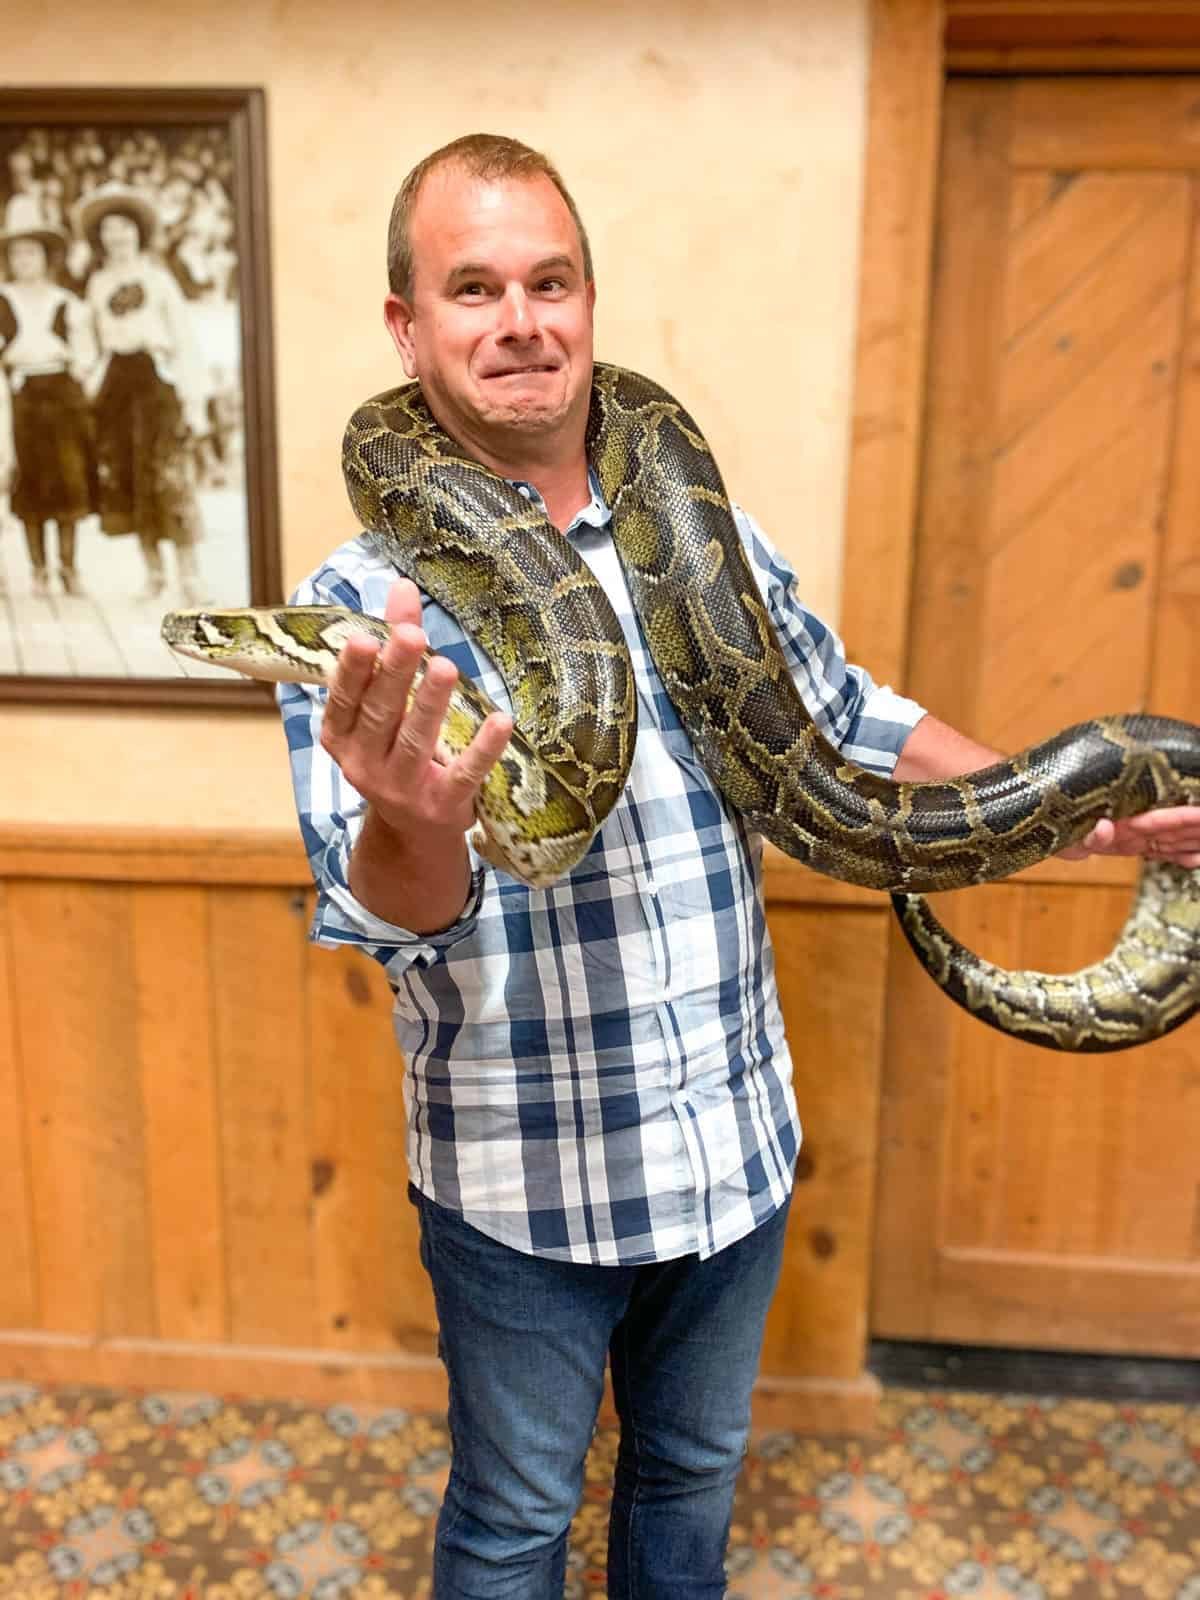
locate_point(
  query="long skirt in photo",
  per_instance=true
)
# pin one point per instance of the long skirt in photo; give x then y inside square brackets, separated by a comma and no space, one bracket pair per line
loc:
[52,441]
[147,470]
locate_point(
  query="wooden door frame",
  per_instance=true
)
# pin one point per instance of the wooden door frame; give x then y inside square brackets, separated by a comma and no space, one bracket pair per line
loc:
[914,45]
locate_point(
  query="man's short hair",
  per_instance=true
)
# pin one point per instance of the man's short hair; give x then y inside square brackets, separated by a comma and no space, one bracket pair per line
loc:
[489,156]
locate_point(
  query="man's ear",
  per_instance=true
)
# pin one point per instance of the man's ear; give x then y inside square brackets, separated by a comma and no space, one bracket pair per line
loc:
[398,318]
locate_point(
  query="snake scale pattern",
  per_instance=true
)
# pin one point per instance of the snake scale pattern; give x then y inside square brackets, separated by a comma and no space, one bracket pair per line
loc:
[478,547]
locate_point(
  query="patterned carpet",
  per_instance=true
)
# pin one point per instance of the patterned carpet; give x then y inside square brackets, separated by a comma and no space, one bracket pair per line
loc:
[172,1496]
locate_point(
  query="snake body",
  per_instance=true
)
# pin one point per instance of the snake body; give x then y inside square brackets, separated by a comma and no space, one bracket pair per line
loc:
[1146,987]
[476,545]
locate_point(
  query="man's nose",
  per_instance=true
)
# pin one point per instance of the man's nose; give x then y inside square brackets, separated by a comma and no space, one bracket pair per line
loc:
[517,319]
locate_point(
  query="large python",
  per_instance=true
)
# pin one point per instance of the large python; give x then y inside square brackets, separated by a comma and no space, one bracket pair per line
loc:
[477,546]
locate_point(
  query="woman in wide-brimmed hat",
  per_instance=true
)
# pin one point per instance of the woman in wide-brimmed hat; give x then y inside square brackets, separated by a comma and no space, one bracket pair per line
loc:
[46,346]
[119,199]
[150,387]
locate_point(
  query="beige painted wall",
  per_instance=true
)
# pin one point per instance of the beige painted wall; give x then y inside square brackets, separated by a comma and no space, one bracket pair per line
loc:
[715,148]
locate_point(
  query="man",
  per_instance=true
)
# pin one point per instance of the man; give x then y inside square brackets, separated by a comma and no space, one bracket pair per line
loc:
[601,1122]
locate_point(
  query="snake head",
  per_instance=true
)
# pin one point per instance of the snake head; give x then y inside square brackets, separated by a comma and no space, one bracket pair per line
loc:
[230,639]
[281,644]
[208,635]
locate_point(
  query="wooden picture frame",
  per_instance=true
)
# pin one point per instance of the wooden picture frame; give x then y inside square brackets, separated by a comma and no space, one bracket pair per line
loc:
[136,388]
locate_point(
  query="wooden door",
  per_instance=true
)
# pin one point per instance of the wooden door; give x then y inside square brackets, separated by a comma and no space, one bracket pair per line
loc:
[1027,1197]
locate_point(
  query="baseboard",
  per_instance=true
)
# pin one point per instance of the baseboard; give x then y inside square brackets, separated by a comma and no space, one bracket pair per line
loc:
[823,1406]
[318,1377]
[324,1377]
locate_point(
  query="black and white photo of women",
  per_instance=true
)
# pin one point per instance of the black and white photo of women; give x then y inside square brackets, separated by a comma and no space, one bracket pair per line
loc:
[150,389]
[46,348]
[141,255]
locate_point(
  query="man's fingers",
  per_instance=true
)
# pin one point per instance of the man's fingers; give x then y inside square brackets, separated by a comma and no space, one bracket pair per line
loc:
[416,742]
[1100,837]
[1170,833]
[1168,823]
[482,754]
[355,669]
[385,699]
[403,603]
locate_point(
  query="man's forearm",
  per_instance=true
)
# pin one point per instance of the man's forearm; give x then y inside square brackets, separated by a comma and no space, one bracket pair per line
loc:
[935,750]
[418,884]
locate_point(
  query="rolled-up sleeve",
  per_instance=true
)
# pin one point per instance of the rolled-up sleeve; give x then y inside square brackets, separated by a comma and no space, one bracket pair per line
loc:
[869,722]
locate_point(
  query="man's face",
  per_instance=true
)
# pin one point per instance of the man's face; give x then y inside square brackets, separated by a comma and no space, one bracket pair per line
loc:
[498,326]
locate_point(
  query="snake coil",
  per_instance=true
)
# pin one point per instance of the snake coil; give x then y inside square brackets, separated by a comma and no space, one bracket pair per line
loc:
[479,548]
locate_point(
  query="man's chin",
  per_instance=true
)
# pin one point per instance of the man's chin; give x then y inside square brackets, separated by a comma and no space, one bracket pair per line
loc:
[531,415]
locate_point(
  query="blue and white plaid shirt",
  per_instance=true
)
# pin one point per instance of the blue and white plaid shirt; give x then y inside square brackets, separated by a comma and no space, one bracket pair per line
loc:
[596,1072]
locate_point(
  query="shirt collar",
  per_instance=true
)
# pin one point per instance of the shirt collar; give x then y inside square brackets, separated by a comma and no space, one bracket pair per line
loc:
[595,514]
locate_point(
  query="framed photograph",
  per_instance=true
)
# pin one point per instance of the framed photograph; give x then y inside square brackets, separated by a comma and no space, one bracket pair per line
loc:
[137,417]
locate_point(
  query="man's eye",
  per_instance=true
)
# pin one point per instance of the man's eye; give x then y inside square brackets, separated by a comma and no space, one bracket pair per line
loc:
[472,291]
[551,286]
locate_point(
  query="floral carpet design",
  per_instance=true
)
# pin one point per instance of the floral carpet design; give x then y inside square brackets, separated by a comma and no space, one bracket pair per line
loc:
[171,1496]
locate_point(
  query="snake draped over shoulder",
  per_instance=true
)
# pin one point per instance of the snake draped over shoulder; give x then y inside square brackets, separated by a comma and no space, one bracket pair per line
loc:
[492,558]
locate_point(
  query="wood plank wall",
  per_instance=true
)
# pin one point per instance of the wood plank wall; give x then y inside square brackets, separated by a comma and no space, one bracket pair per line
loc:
[202,1176]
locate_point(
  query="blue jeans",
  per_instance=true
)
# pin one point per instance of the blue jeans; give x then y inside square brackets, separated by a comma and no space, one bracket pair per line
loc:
[524,1341]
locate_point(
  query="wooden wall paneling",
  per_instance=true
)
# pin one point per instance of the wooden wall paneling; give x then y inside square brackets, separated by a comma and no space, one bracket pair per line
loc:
[1175,647]
[274,1246]
[137,855]
[174,1010]
[73,986]
[830,966]
[18,1281]
[915,1090]
[258,965]
[371,1290]
[905,90]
